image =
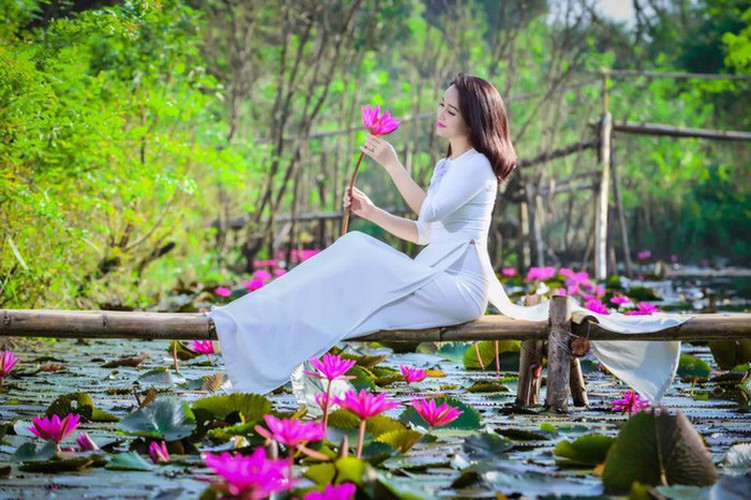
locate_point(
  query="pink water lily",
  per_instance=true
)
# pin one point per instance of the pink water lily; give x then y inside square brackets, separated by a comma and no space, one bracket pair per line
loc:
[223,291]
[594,305]
[572,289]
[433,415]
[619,300]
[643,309]
[289,431]
[85,443]
[7,362]
[364,405]
[203,346]
[252,477]
[630,403]
[345,491]
[377,123]
[412,375]
[331,367]
[54,429]
[540,273]
[159,453]
[508,272]
[644,255]
[253,284]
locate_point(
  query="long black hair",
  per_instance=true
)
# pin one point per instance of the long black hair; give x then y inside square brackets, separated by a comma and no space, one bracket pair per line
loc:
[484,113]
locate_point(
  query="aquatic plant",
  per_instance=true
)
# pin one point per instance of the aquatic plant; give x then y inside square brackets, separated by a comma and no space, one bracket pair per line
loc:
[365,405]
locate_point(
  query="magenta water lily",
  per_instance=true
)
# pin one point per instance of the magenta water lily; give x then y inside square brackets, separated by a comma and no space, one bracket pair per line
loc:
[254,476]
[434,415]
[85,443]
[54,429]
[365,405]
[331,368]
[289,431]
[630,402]
[412,375]
[344,491]
[7,362]
[159,453]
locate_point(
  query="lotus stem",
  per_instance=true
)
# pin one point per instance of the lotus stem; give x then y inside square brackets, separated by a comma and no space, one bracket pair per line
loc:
[347,210]
[361,438]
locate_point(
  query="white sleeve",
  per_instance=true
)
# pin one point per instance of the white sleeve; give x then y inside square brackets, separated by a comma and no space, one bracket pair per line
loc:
[460,184]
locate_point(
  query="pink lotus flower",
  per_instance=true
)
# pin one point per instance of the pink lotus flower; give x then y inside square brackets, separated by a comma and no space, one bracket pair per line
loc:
[291,432]
[644,255]
[253,477]
[262,274]
[253,284]
[574,278]
[265,263]
[364,405]
[412,374]
[54,429]
[322,399]
[377,123]
[85,443]
[7,362]
[223,291]
[435,416]
[572,289]
[159,453]
[279,272]
[630,403]
[509,271]
[619,300]
[560,291]
[643,309]
[599,291]
[345,491]
[202,346]
[331,367]
[674,258]
[540,273]
[595,305]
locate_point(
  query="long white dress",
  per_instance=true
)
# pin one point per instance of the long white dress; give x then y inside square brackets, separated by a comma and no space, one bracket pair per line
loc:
[360,284]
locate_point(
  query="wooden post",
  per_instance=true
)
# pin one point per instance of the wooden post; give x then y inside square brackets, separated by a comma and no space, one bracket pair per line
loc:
[525,257]
[577,384]
[559,358]
[530,369]
[621,218]
[601,206]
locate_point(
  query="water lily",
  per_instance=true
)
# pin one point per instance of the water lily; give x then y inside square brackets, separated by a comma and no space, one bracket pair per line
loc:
[331,367]
[376,123]
[573,289]
[630,403]
[364,405]
[54,429]
[412,375]
[509,271]
[223,291]
[594,305]
[344,491]
[643,309]
[540,273]
[159,453]
[85,443]
[253,284]
[203,347]
[251,477]
[619,300]
[7,362]
[433,415]
[644,255]
[289,431]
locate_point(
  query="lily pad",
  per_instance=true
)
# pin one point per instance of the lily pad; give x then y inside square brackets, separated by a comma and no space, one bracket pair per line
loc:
[251,407]
[57,465]
[731,353]
[28,452]
[588,451]
[652,448]
[167,418]
[400,439]
[487,386]
[453,351]
[129,461]
[486,446]
[692,368]
[159,376]
[508,354]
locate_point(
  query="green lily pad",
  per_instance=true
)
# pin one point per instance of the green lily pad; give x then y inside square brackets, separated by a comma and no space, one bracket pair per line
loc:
[692,368]
[400,439]
[381,424]
[522,434]
[508,355]
[366,362]
[28,452]
[731,353]
[343,419]
[453,351]
[364,378]
[469,420]
[57,465]
[487,386]
[651,448]
[252,407]
[159,376]
[77,402]
[588,451]
[129,461]
[166,418]
[486,446]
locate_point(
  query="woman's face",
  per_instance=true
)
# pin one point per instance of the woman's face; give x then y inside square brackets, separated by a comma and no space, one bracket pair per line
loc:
[450,123]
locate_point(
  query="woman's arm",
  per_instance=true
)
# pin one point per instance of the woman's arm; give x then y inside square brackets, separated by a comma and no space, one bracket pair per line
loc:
[384,154]
[398,226]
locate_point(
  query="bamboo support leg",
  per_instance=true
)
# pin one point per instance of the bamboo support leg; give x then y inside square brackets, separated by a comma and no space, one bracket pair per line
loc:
[577,384]
[559,357]
[530,369]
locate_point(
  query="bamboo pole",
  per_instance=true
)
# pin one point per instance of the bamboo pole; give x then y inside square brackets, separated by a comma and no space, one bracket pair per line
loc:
[559,357]
[660,129]
[577,385]
[197,326]
[601,203]
[530,369]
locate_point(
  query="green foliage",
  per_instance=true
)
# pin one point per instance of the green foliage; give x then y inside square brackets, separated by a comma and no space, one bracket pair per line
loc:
[166,418]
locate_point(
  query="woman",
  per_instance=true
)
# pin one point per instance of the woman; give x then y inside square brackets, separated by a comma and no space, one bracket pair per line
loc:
[360,285]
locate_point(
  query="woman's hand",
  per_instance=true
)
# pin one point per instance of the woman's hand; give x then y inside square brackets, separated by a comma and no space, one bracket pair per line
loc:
[360,203]
[380,150]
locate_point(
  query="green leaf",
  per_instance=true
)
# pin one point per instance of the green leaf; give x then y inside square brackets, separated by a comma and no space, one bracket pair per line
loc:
[70,464]
[321,474]
[453,351]
[159,376]
[381,424]
[350,470]
[366,362]
[486,446]
[693,368]
[364,378]
[166,418]
[128,461]
[508,354]
[523,434]
[487,386]
[589,450]
[469,420]
[28,452]
[252,407]
[400,439]
[77,402]
[731,353]
[649,448]
[343,419]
